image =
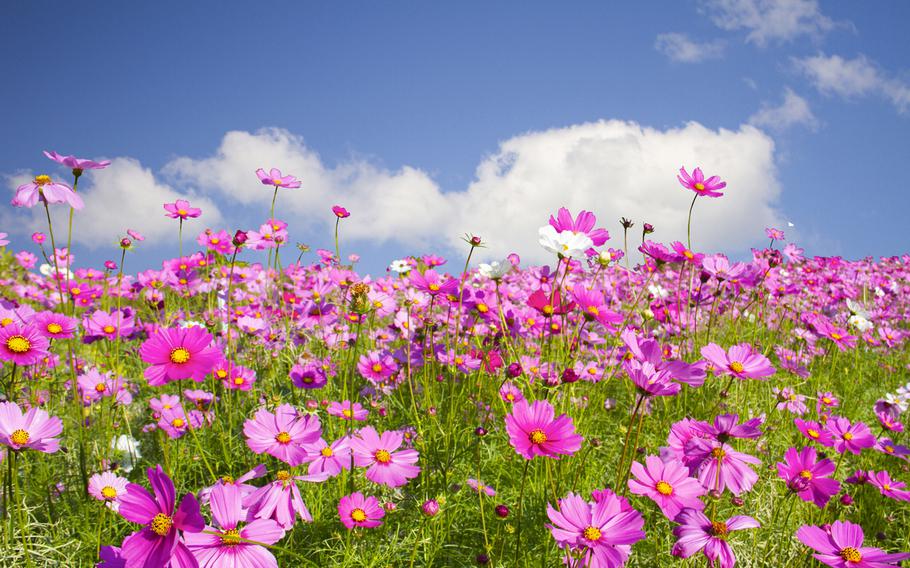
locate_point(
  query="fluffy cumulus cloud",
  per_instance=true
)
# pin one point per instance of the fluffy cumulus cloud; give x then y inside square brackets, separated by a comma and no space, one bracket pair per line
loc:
[853,78]
[612,168]
[769,20]
[678,47]
[124,196]
[793,111]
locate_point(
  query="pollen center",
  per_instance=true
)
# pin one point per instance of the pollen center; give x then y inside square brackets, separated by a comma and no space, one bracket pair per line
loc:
[736,367]
[358,515]
[326,452]
[18,344]
[813,433]
[851,554]
[42,179]
[108,492]
[806,474]
[161,524]
[283,438]
[283,475]
[382,456]
[230,537]
[592,533]
[664,488]
[178,423]
[377,368]
[100,387]
[719,529]
[700,186]
[718,453]
[19,437]
[537,436]
[180,355]
[54,328]
[848,436]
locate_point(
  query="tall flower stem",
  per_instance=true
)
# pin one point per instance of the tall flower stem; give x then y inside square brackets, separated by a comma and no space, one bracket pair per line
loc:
[625,445]
[180,236]
[337,248]
[521,498]
[689,226]
[50,230]
[69,233]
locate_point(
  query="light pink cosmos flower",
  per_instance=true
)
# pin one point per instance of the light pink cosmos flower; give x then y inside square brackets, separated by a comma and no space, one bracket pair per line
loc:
[178,353]
[22,344]
[841,546]
[75,163]
[283,434]
[740,361]
[667,484]
[697,182]
[697,533]
[328,459]
[346,410]
[275,178]
[35,430]
[3,239]
[534,430]
[380,454]
[355,510]
[377,366]
[44,189]
[600,532]
[225,544]
[108,487]
[181,209]
[582,224]
[280,500]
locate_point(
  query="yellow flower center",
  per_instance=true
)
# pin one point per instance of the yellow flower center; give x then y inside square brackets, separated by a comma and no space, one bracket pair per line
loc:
[100,387]
[227,480]
[548,310]
[54,328]
[18,344]
[358,515]
[283,475]
[376,367]
[283,438]
[180,355]
[664,488]
[215,240]
[848,436]
[836,336]
[806,474]
[886,487]
[20,437]
[719,529]
[718,453]
[434,287]
[238,381]
[850,554]
[108,492]
[178,423]
[230,537]
[181,211]
[537,436]
[276,181]
[109,329]
[699,187]
[688,254]
[42,179]
[592,533]
[736,367]
[382,456]
[326,452]
[889,449]
[6,321]
[347,413]
[482,308]
[221,374]
[75,291]
[813,433]
[826,400]
[593,310]
[161,524]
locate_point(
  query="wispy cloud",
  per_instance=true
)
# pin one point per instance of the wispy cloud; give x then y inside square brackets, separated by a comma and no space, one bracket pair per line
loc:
[678,47]
[794,110]
[853,78]
[769,20]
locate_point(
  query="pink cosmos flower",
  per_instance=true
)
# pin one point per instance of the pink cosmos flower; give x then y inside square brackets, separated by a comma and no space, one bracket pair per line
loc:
[308,376]
[108,487]
[35,429]
[22,344]
[355,510]
[181,209]
[697,182]
[160,540]
[75,163]
[275,178]
[891,488]
[377,366]
[385,463]
[848,437]
[346,410]
[774,234]
[433,284]
[807,477]
[889,447]
[510,393]
[328,459]
[42,188]
[478,486]
[280,500]
[741,361]
[687,255]
[178,353]
[3,239]
[340,212]
[720,467]
[667,484]
[697,533]
[54,326]
[240,483]
[225,543]
[815,432]
[841,546]
[601,532]
[649,381]
[582,224]
[533,431]
[283,434]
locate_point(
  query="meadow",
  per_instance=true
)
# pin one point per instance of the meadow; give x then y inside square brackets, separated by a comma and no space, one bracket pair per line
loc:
[253,403]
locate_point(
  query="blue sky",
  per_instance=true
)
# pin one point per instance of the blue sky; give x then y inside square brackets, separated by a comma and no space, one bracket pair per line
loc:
[414,97]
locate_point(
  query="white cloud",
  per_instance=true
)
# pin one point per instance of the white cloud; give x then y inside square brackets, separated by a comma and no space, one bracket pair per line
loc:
[678,47]
[794,110]
[850,78]
[769,20]
[123,196]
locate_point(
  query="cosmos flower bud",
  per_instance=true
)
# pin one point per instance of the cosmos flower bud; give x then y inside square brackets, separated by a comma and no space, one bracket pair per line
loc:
[502,511]
[125,243]
[430,507]
[513,370]
[626,224]
[483,559]
[240,237]
[389,506]
[569,375]
[648,228]
[846,499]
[475,241]
[110,265]
[480,431]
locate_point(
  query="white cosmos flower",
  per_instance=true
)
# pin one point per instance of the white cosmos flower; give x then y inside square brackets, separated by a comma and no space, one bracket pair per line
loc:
[400,266]
[495,270]
[566,243]
[860,323]
[128,447]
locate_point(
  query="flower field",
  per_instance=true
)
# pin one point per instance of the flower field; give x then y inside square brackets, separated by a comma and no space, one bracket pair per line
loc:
[252,404]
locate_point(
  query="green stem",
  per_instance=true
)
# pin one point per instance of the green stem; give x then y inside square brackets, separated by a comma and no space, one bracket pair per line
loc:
[689,226]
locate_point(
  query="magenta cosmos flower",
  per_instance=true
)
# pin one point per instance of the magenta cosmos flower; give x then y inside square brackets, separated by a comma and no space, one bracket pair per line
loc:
[328,459]
[225,543]
[75,163]
[697,533]
[35,430]
[275,178]
[377,366]
[808,477]
[181,209]
[852,438]
[346,410]
[22,344]
[340,212]
[385,463]
[433,284]
[533,431]
[178,353]
[43,188]
[582,224]
[595,530]
[740,361]
[841,546]
[283,434]
[160,541]
[697,182]
[667,484]
[356,510]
